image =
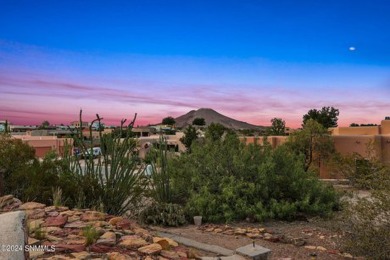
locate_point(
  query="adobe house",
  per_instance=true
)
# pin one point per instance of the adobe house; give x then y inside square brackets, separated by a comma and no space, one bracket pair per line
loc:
[366,141]
[45,144]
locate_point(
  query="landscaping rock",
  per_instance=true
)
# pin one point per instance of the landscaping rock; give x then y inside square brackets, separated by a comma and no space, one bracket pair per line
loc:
[133,242]
[58,221]
[151,249]
[32,205]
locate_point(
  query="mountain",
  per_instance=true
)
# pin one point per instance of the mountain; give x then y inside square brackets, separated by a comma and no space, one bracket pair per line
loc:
[212,116]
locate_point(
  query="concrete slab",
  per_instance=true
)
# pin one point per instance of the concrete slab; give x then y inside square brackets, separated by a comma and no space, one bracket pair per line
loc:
[232,257]
[195,244]
[254,252]
[12,238]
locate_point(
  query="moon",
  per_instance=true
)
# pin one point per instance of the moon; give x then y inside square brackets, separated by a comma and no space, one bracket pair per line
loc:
[352,48]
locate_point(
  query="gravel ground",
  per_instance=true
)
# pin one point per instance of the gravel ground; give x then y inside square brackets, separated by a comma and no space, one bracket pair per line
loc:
[316,233]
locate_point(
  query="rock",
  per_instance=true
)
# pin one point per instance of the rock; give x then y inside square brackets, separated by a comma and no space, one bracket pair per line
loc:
[170,254]
[115,220]
[132,242]
[100,223]
[50,208]
[58,221]
[32,205]
[36,253]
[75,240]
[253,235]
[321,248]
[164,244]
[240,231]
[35,213]
[81,255]
[93,216]
[152,249]
[69,248]
[76,224]
[108,238]
[346,255]
[32,241]
[100,248]
[73,219]
[171,242]
[53,238]
[119,256]
[52,213]
[6,200]
[217,230]
[210,229]
[51,230]
[311,247]
[33,225]
[70,213]
[124,224]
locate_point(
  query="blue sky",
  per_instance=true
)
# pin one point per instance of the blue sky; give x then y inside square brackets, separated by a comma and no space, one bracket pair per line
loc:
[251,60]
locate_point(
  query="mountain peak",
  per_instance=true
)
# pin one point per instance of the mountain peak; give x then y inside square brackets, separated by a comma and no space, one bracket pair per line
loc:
[212,116]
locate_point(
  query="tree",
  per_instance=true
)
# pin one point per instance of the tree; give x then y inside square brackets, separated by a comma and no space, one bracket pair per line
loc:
[45,124]
[353,125]
[14,156]
[327,116]
[190,135]
[215,131]
[278,126]
[313,142]
[199,121]
[168,121]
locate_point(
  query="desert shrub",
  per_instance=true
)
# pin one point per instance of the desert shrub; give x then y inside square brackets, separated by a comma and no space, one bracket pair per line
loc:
[227,180]
[16,158]
[166,214]
[366,220]
[36,181]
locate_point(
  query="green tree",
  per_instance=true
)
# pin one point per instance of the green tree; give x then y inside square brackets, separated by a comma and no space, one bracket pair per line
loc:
[313,142]
[327,116]
[215,131]
[45,124]
[199,121]
[15,156]
[190,134]
[353,125]
[168,121]
[278,126]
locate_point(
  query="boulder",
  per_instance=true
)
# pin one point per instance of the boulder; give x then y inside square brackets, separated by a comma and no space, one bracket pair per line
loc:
[132,242]
[152,249]
[58,221]
[32,205]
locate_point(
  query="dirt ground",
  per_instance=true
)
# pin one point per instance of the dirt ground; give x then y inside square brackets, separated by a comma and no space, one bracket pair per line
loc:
[321,239]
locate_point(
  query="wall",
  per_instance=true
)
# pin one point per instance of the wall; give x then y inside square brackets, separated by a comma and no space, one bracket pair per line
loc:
[45,144]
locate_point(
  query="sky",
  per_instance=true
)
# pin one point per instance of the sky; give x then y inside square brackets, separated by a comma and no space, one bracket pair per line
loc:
[249,60]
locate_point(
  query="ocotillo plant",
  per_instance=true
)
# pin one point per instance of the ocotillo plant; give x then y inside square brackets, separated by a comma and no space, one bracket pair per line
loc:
[113,180]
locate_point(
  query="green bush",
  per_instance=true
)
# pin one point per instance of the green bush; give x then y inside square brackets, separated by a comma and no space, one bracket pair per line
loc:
[366,221]
[226,180]
[166,214]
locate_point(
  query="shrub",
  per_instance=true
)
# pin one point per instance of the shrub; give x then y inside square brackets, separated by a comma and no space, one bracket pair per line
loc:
[166,214]
[366,220]
[227,180]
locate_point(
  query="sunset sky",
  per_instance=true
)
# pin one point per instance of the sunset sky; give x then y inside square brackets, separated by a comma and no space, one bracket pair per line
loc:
[249,60]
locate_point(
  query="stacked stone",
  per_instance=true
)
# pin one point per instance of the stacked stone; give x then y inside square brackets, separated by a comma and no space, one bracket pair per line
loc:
[116,237]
